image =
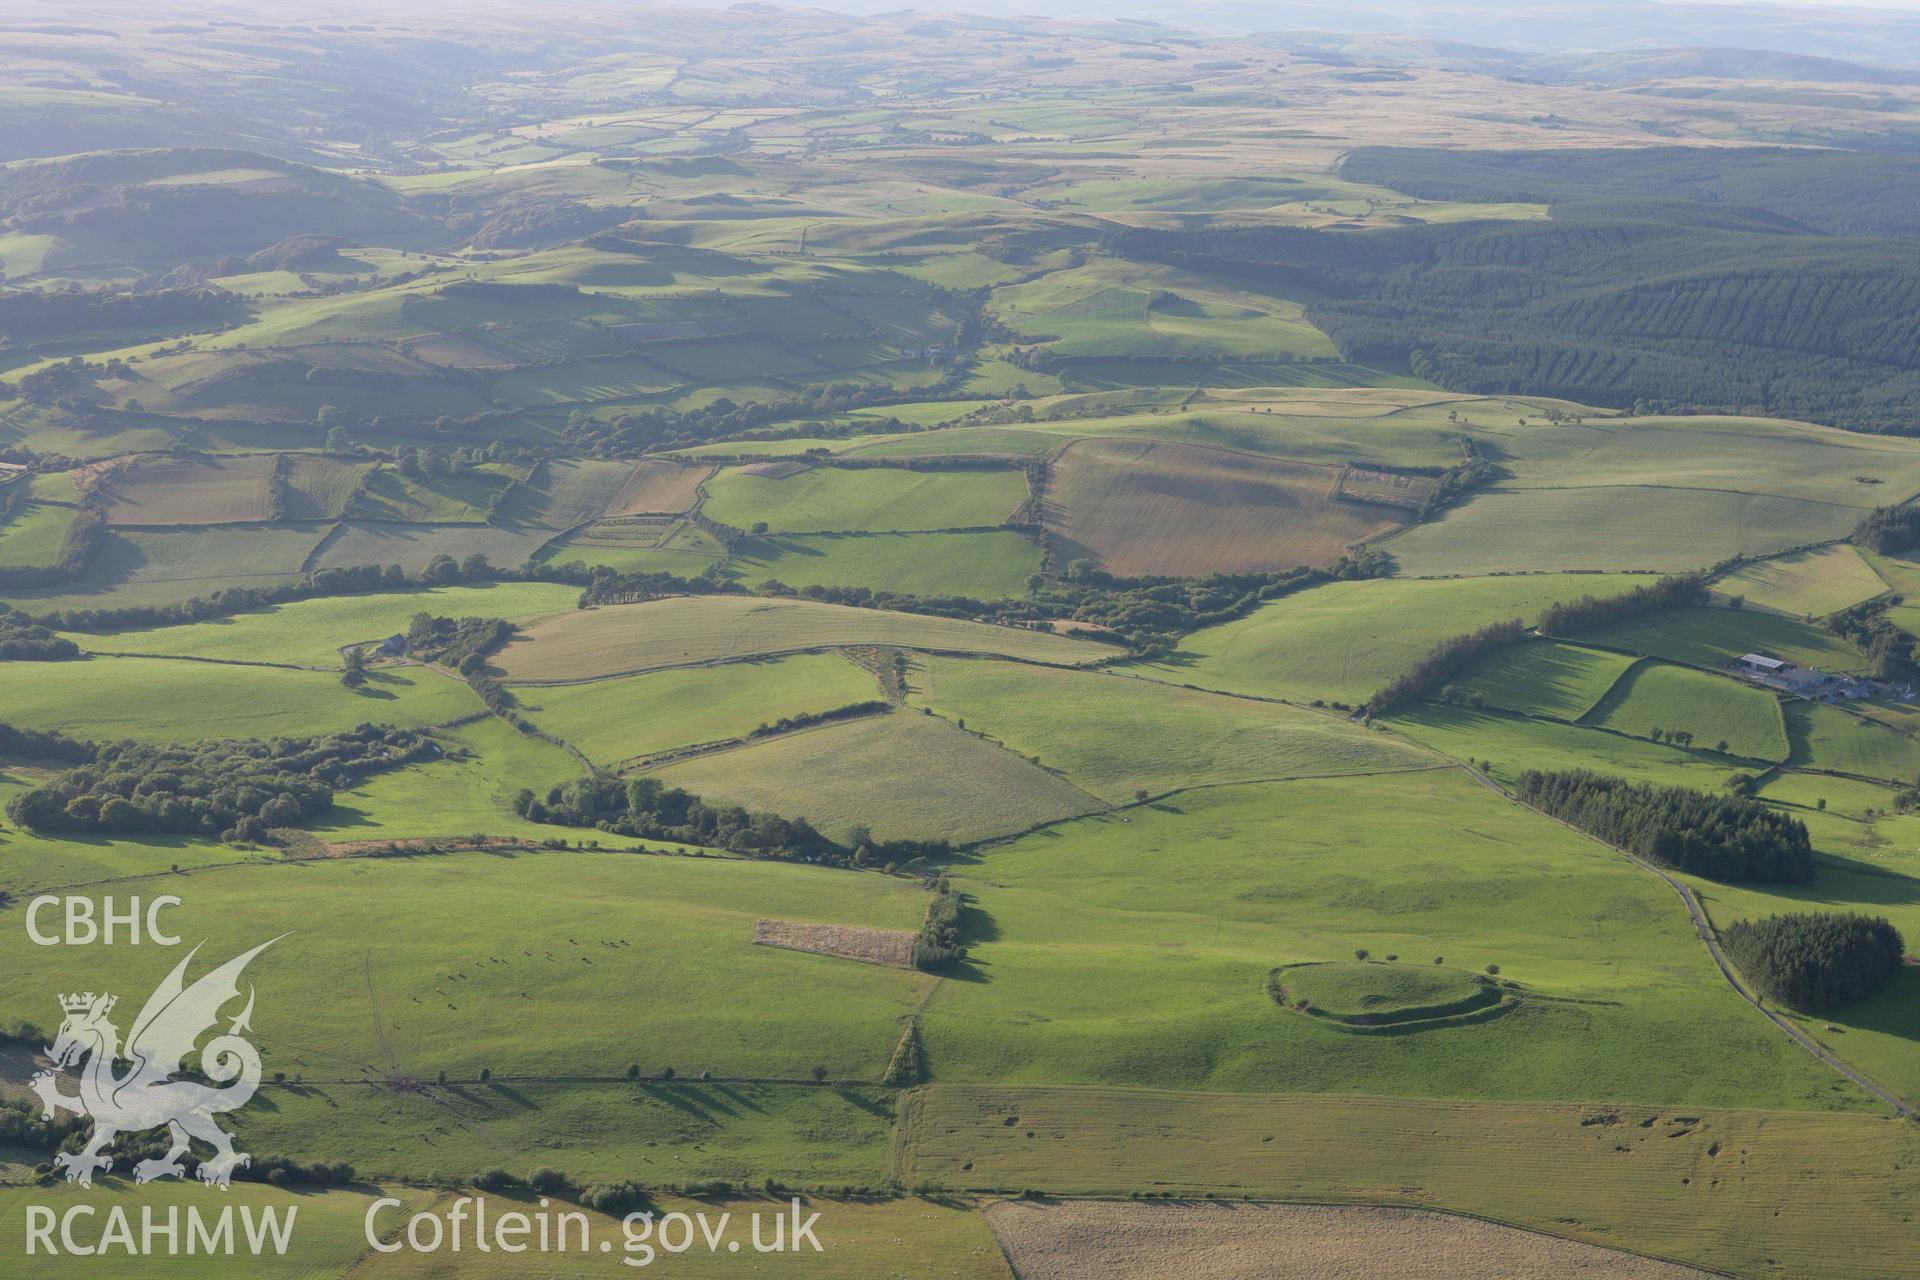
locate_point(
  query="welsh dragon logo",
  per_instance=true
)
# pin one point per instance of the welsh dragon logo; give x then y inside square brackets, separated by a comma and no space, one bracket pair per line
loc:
[146,1096]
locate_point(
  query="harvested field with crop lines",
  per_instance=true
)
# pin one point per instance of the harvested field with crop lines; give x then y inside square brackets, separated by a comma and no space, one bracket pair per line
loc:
[1235,1240]
[1156,508]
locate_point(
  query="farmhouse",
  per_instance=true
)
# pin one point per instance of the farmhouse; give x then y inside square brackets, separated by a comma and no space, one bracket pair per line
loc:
[1812,682]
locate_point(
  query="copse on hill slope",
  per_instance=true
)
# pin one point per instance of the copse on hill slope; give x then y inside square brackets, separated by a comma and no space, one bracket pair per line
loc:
[646,808]
[35,744]
[1888,530]
[21,640]
[1816,960]
[1726,838]
[233,788]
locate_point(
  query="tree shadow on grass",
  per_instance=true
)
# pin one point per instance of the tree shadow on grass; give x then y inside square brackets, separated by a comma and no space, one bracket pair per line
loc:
[513,1095]
[854,1098]
[738,1098]
[679,1101]
[1894,1011]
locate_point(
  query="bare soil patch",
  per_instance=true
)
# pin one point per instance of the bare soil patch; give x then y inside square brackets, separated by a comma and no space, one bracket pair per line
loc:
[870,946]
[1125,1240]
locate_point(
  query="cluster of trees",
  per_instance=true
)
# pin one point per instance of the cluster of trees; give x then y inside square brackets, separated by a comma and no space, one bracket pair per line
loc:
[852,710]
[1730,838]
[21,639]
[1591,612]
[645,809]
[1431,673]
[460,643]
[936,948]
[233,788]
[1817,960]
[41,744]
[86,533]
[1458,481]
[1892,651]
[1889,530]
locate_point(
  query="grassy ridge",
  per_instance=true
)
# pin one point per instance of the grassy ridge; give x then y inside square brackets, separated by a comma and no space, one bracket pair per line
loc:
[1343,640]
[1562,681]
[945,783]
[689,629]
[161,699]
[1114,735]
[467,962]
[984,566]
[1135,948]
[616,720]
[874,500]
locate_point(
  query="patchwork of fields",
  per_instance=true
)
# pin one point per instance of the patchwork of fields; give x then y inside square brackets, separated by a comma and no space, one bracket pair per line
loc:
[947,615]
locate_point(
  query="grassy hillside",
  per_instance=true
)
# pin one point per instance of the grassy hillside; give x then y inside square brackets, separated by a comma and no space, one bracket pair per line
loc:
[676,632]
[1344,640]
[1116,736]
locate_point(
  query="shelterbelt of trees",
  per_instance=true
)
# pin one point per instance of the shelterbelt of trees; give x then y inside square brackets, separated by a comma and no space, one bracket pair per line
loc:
[644,808]
[1729,838]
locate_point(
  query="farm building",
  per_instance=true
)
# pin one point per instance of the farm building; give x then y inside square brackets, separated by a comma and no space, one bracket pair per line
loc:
[1812,682]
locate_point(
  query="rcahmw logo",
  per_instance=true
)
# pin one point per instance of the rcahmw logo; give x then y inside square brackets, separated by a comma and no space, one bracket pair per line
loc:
[146,1096]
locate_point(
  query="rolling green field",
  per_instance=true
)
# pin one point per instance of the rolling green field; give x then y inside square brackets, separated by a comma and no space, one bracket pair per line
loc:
[981,566]
[1806,584]
[1505,745]
[1079,335]
[162,699]
[1650,529]
[617,720]
[1714,709]
[692,629]
[1344,640]
[1198,897]
[1117,736]
[1714,637]
[964,788]
[142,566]
[423,977]
[34,535]
[1830,738]
[311,632]
[869,500]
[1559,681]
